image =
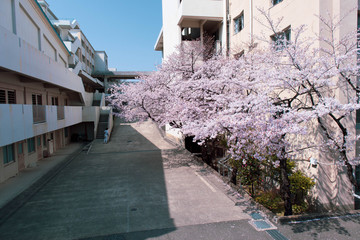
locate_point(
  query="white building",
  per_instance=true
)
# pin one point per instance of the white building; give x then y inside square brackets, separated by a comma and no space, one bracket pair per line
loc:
[185,20]
[43,104]
[234,24]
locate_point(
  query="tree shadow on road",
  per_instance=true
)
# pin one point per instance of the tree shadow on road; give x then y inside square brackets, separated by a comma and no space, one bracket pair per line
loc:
[336,226]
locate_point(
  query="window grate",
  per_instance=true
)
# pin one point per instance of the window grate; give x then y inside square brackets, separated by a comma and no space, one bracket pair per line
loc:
[11,97]
[2,96]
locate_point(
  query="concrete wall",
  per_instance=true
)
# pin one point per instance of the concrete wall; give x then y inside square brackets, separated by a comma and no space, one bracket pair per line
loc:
[91,114]
[101,61]
[6,16]
[32,26]
[17,121]
[189,14]
[25,159]
[35,50]
[89,97]
[200,9]
[171,31]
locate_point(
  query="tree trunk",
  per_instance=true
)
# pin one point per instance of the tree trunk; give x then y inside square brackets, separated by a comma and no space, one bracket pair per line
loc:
[233,175]
[204,153]
[285,187]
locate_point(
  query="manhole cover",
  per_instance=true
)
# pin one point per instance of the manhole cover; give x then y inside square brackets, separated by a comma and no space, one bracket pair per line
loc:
[275,234]
[262,225]
[256,216]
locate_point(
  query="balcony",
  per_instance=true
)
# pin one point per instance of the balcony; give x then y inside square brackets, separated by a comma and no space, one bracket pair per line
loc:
[39,113]
[60,112]
[19,56]
[19,122]
[191,11]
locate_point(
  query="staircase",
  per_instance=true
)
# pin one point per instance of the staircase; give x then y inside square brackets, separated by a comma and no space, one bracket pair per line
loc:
[96,103]
[103,124]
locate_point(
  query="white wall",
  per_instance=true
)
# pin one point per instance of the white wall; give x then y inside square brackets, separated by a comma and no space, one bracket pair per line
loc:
[19,56]
[49,49]
[101,61]
[28,29]
[6,14]
[188,13]
[91,114]
[171,31]
[17,122]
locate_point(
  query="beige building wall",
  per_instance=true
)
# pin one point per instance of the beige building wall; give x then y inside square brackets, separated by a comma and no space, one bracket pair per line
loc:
[333,189]
[293,13]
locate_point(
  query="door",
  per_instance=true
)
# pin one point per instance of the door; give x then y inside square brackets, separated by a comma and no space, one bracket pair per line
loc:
[21,157]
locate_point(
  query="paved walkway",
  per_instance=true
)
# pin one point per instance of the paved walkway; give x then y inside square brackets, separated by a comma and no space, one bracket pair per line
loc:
[27,177]
[138,186]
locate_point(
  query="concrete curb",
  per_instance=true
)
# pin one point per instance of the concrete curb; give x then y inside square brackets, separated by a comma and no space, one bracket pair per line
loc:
[270,215]
[316,216]
[166,138]
[17,202]
[284,219]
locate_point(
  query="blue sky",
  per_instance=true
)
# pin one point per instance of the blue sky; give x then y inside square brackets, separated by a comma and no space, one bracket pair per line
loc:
[126,29]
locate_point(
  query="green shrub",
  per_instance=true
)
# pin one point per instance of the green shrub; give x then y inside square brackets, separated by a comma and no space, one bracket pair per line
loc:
[271,201]
[300,186]
[299,209]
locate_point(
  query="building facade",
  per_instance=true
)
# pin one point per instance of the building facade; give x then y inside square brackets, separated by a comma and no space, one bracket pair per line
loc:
[46,89]
[236,24]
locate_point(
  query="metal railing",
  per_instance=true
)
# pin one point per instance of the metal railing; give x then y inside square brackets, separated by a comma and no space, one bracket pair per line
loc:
[224,168]
[39,113]
[60,112]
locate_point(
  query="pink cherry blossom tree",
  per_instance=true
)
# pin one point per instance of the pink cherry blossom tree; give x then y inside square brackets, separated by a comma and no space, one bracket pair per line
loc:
[259,101]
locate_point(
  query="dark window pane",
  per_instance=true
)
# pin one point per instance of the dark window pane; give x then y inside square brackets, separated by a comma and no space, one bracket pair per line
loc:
[11,97]
[2,96]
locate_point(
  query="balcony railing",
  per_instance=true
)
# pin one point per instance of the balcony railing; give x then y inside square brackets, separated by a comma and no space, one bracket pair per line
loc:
[18,122]
[200,9]
[39,113]
[60,112]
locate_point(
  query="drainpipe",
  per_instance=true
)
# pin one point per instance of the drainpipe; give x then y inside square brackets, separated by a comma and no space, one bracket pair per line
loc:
[227,28]
[202,32]
[251,22]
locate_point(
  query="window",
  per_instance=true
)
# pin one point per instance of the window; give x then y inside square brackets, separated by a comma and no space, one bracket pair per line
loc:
[7,96]
[44,139]
[31,145]
[36,99]
[20,148]
[274,2]
[239,23]
[281,39]
[8,152]
[190,33]
[66,132]
[54,101]
[39,141]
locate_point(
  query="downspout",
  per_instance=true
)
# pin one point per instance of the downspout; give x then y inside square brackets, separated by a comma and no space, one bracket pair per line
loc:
[251,22]
[227,28]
